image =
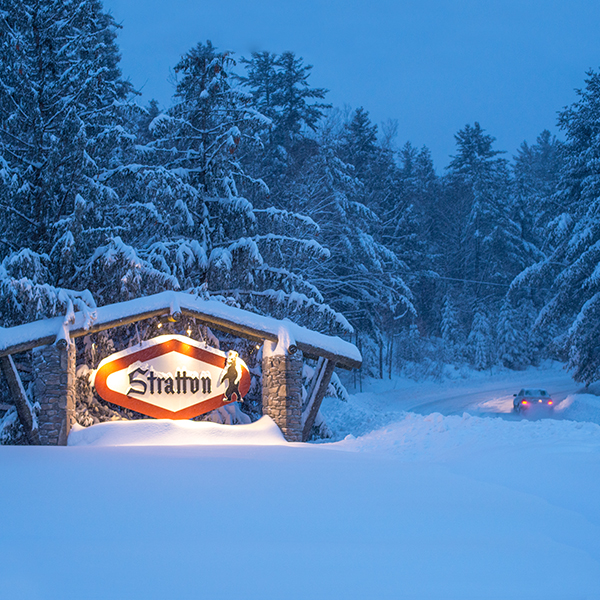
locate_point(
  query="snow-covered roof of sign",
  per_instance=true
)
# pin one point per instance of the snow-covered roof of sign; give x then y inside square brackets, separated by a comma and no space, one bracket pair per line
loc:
[216,314]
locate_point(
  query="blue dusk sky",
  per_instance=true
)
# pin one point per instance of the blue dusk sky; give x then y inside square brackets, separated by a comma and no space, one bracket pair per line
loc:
[432,65]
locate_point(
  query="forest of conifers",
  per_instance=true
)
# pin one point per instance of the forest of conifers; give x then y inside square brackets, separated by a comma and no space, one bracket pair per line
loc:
[251,189]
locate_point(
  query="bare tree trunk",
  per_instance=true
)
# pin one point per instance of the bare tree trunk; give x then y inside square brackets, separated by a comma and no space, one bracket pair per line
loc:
[390,355]
[360,370]
[20,399]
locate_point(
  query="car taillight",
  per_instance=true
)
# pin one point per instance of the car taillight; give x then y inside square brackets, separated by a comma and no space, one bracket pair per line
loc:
[524,402]
[550,402]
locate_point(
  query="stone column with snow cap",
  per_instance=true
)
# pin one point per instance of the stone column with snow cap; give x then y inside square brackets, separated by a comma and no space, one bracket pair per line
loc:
[54,390]
[282,385]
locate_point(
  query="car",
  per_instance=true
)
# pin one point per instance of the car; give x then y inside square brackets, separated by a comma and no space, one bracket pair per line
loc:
[530,398]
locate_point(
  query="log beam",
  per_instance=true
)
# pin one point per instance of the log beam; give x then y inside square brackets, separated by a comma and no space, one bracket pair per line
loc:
[173,305]
[316,394]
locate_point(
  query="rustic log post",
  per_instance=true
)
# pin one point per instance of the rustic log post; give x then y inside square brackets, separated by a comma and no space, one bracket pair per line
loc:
[19,397]
[282,392]
[54,389]
[316,393]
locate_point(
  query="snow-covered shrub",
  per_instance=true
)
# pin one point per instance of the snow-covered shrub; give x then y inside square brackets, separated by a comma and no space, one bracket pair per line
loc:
[11,430]
[320,430]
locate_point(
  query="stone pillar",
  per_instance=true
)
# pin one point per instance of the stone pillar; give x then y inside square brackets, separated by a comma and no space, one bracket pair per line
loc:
[54,389]
[282,393]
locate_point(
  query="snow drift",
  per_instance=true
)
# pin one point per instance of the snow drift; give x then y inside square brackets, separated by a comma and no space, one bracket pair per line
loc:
[164,432]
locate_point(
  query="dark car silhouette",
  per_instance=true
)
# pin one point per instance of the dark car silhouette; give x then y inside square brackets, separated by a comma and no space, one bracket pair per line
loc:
[532,398]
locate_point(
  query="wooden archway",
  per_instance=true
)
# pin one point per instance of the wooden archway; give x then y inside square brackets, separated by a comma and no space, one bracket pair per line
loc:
[329,351]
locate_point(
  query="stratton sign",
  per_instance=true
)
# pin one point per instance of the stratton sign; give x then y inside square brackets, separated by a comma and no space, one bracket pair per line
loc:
[153,388]
[172,377]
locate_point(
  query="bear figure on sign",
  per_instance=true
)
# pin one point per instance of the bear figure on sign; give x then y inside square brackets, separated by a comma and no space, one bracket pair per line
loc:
[232,373]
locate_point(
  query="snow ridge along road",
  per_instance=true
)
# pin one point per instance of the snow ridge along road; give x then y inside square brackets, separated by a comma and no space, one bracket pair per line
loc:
[478,394]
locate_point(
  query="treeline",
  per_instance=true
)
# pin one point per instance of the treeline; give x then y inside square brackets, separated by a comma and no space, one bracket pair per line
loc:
[251,189]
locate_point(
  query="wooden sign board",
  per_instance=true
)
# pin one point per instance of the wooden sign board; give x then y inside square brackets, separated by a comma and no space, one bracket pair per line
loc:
[172,377]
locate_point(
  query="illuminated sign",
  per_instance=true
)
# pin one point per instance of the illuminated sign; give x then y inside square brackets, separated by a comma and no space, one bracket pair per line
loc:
[172,377]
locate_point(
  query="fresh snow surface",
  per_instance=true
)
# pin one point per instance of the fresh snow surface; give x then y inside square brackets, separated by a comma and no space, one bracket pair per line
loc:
[164,432]
[442,494]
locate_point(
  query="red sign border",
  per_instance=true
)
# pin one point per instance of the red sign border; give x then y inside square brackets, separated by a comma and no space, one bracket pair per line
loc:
[154,351]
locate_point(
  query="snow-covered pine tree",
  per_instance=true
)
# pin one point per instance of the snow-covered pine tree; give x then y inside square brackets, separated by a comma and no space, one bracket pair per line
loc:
[485,245]
[60,127]
[572,314]
[452,329]
[480,342]
[361,279]
[62,114]
[492,248]
[536,174]
[405,226]
[295,99]
[353,278]
[263,81]
[536,171]
[307,174]
[408,225]
[513,333]
[200,135]
[390,221]
[253,256]
[359,144]
[280,90]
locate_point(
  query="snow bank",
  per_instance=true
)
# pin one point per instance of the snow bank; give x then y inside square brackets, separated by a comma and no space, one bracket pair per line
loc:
[164,432]
[438,437]
[479,394]
[580,407]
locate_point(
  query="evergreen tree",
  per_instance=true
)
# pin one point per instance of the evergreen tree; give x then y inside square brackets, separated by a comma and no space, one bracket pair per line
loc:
[281,91]
[484,246]
[573,311]
[491,246]
[61,131]
[315,175]
[452,329]
[359,147]
[295,98]
[480,340]
[200,135]
[373,235]
[514,350]
[255,256]
[408,230]
[263,80]
[536,172]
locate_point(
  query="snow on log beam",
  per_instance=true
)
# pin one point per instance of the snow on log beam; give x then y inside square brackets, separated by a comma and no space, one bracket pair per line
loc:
[216,314]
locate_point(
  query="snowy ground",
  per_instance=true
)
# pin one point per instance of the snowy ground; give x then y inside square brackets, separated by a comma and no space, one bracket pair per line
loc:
[436,492]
